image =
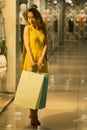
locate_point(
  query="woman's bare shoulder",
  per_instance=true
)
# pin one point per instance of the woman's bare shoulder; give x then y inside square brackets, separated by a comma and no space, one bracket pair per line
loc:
[27,27]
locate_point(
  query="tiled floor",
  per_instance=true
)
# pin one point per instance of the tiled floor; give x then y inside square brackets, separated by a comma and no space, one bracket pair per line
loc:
[67,94]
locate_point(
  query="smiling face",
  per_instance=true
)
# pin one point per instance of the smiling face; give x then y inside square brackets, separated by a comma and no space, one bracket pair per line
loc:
[31,19]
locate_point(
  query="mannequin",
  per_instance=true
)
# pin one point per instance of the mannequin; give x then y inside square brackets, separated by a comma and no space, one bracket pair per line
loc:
[55,24]
[81,19]
[71,24]
[81,22]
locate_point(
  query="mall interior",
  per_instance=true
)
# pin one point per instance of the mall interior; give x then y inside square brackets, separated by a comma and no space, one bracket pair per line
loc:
[66,105]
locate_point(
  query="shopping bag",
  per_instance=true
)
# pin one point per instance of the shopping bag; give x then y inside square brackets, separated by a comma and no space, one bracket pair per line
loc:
[29,89]
[43,94]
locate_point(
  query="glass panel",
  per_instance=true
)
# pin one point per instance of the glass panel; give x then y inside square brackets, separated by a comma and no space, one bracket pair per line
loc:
[3,54]
[6,71]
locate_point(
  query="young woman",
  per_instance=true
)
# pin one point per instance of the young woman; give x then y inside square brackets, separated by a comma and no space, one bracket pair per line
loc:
[35,41]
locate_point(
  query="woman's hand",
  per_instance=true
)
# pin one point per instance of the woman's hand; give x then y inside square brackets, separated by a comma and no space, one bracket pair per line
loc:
[32,63]
[40,64]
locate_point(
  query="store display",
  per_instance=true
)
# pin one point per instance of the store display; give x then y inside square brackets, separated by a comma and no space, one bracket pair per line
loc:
[75,23]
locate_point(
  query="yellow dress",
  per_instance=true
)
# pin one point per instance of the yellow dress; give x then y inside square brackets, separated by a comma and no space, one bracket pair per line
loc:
[37,41]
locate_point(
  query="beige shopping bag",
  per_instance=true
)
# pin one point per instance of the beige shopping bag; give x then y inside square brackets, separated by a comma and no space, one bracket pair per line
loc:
[29,89]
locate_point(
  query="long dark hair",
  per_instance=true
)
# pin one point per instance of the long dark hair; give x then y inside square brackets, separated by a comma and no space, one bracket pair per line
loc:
[40,23]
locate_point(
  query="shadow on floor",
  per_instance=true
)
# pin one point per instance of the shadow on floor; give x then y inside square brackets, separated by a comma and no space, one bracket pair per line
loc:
[60,121]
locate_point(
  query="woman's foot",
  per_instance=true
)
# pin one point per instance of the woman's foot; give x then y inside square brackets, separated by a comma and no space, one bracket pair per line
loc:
[34,121]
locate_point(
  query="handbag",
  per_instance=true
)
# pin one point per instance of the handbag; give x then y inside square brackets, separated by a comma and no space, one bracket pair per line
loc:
[30,89]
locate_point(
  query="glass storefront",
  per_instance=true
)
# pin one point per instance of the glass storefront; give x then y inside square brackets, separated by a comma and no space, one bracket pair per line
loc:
[3,54]
[7,52]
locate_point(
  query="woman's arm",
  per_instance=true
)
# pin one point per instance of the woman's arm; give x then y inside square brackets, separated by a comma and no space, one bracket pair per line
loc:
[27,45]
[40,61]
[43,54]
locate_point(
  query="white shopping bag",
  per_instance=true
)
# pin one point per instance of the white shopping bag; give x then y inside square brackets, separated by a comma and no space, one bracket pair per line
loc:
[29,89]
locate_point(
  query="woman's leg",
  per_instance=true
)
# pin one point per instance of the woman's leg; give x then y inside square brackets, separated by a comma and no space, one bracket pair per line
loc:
[34,117]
